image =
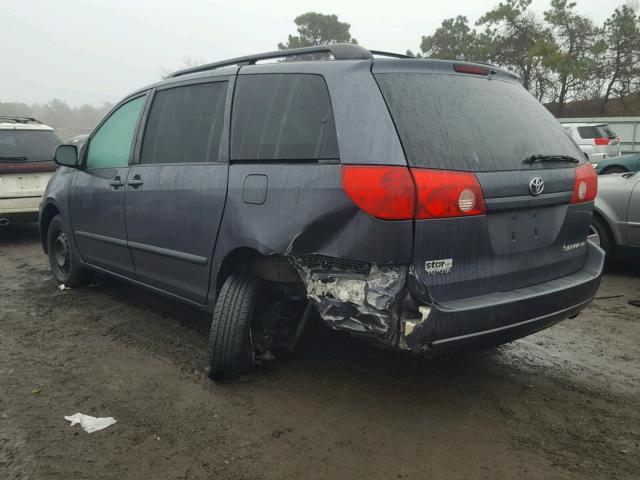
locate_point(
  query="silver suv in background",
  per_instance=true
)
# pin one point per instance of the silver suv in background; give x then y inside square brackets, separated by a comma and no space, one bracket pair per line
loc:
[597,140]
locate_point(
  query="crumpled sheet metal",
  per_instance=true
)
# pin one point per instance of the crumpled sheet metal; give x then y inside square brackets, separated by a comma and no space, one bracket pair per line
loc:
[355,302]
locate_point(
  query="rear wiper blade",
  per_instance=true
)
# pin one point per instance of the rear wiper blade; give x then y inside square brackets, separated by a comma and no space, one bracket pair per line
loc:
[4,158]
[549,158]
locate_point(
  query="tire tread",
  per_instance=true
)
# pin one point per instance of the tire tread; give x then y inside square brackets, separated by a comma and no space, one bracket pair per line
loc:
[230,326]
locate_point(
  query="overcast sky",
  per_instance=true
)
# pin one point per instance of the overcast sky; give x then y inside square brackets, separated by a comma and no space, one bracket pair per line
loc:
[94,51]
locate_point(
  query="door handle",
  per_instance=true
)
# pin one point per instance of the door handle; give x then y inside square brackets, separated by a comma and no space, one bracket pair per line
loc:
[135,182]
[116,182]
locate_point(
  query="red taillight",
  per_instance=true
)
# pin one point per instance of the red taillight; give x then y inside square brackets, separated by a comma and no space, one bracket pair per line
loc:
[383,192]
[389,192]
[602,141]
[471,69]
[27,167]
[585,186]
[443,193]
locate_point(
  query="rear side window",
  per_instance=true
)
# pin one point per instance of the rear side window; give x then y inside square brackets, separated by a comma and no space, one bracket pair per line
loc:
[593,132]
[460,122]
[282,117]
[596,131]
[185,124]
[28,145]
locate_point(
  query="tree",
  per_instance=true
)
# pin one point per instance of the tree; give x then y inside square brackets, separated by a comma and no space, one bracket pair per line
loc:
[574,61]
[514,38]
[56,113]
[621,34]
[316,29]
[453,39]
[16,109]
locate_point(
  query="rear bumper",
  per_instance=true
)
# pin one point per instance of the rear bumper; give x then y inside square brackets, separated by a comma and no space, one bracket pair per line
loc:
[27,203]
[20,209]
[493,319]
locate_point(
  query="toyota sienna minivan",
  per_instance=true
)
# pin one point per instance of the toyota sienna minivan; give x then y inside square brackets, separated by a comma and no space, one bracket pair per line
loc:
[424,205]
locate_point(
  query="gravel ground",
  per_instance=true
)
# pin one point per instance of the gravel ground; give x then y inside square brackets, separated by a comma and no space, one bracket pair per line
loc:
[563,403]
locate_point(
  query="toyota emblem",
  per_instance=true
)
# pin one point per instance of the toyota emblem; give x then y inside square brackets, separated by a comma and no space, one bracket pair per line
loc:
[536,186]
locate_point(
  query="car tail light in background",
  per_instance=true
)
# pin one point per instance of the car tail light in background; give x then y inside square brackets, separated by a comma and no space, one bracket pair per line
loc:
[27,167]
[602,141]
[585,186]
[400,193]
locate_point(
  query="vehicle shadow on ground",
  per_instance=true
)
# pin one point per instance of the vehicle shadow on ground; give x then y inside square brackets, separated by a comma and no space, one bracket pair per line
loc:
[629,267]
[19,233]
[322,352]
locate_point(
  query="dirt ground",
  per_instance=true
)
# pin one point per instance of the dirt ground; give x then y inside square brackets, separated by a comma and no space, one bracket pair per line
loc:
[564,403]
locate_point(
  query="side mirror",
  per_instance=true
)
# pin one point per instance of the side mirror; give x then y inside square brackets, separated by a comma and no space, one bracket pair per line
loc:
[67,156]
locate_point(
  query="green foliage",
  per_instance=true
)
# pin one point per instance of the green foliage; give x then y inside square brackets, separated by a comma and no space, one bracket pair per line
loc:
[515,38]
[318,29]
[560,56]
[620,53]
[454,39]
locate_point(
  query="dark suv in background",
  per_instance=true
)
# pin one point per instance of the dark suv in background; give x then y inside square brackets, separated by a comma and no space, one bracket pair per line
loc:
[424,205]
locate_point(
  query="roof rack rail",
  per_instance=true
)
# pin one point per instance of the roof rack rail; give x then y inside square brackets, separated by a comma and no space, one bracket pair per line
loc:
[17,119]
[340,51]
[390,54]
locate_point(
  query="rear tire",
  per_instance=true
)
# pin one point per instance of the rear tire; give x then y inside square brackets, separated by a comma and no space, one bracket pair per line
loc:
[63,259]
[231,349]
[600,231]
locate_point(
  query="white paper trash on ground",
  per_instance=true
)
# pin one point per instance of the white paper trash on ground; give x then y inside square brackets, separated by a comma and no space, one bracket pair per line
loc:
[90,424]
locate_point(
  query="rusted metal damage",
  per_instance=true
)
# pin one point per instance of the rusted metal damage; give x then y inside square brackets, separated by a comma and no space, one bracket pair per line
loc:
[362,303]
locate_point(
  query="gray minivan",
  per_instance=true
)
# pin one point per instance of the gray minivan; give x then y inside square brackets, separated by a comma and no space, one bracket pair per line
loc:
[404,201]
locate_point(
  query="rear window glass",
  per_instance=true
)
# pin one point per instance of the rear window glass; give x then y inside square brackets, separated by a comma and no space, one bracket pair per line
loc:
[282,117]
[28,145]
[595,132]
[461,122]
[185,124]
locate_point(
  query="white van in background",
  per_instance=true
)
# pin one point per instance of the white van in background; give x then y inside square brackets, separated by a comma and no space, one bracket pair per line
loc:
[597,140]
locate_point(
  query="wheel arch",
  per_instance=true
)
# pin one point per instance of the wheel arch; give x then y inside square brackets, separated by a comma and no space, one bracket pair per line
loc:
[606,169]
[249,261]
[597,214]
[49,211]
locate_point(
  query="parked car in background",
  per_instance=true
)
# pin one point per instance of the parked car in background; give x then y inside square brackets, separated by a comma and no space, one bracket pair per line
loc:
[324,192]
[597,140]
[619,164]
[27,149]
[616,219]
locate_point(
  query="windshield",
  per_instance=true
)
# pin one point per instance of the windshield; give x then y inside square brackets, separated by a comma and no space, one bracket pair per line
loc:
[28,145]
[460,122]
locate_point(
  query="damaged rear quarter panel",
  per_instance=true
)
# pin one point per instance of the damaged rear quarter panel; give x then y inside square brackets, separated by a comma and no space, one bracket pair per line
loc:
[364,303]
[306,212]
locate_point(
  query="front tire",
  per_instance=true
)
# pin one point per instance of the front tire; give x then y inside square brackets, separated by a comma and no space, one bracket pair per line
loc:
[231,349]
[65,266]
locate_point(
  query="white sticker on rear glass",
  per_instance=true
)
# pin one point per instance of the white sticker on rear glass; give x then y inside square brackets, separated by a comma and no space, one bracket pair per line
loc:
[438,267]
